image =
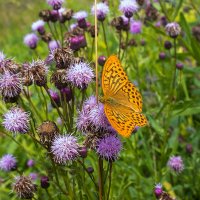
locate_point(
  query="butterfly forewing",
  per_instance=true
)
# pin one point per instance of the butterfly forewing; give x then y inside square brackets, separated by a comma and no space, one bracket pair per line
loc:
[113,77]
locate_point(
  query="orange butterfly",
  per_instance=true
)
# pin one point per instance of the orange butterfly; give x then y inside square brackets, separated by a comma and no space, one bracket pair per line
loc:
[122,101]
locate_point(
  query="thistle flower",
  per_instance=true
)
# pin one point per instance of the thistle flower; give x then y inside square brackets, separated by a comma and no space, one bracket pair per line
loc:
[77,42]
[2,57]
[24,187]
[53,45]
[175,163]
[168,45]
[38,26]
[36,72]
[10,85]
[102,11]
[63,57]
[64,149]
[158,190]
[56,4]
[173,29]
[179,66]
[30,163]
[47,131]
[128,7]
[55,98]
[66,94]
[81,18]
[101,60]
[8,163]
[54,16]
[33,176]
[135,27]
[65,14]
[80,74]
[16,120]
[10,66]
[31,40]
[44,182]
[59,78]
[109,147]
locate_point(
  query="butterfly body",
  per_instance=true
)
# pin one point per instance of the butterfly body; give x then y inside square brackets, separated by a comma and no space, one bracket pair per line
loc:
[122,101]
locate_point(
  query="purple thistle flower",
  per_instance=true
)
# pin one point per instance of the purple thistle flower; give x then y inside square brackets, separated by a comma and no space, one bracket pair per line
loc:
[2,56]
[33,176]
[135,27]
[64,149]
[44,182]
[80,17]
[73,26]
[56,4]
[16,120]
[80,74]
[30,163]
[173,29]
[175,163]
[38,26]
[158,190]
[10,84]
[8,163]
[55,97]
[77,42]
[31,40]
[128,7]
[109,147]
[102,10]
[53,45]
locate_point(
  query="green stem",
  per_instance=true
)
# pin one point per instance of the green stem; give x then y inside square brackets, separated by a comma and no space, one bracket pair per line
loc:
[45,102]
[105,40]
[173,89]
[100,172]
[120,40]
[110,179]
[54,36]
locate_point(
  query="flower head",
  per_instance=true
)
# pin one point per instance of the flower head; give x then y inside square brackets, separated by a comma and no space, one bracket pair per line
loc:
[64,149]
[80,74]
[77,42]
[38,26]
[109,147]
[175,163]
[128,7]
[53,44]
[30,163]
[102,10]
[8,162]
[31,40]
[80,15]
[2,56]
[10,85]
[135,27]
[158,190]
[173,29]
[24,187]
[56,4]
[33,176]
[16,120]
[44,182]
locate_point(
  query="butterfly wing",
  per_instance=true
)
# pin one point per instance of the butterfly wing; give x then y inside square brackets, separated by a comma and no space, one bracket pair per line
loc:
[123,119]
[113,76]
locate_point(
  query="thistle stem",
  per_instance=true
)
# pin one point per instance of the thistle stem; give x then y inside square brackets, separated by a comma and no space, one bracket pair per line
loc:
[100,171]
[105,40]
[110,179]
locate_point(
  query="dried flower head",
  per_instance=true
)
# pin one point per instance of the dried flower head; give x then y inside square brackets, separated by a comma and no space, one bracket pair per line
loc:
[39,26]
[80,74]
[128,7]
[109,147]
[47,131]
[175,163]
[196,32]
[59,78]
[63,57]
[173,29]
[10,66]
[102,10]
[36,72]
[65,15]
[8,162]
[120,23]
[151,13]
[56,4]
[10,85]
[24,187]
[16,120]
[64,149]
[45,15]
[31,40]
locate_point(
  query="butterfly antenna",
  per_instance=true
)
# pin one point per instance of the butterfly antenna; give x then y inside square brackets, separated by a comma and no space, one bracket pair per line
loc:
[96,48]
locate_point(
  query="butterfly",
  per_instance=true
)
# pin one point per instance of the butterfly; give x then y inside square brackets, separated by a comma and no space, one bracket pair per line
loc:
[122,101]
